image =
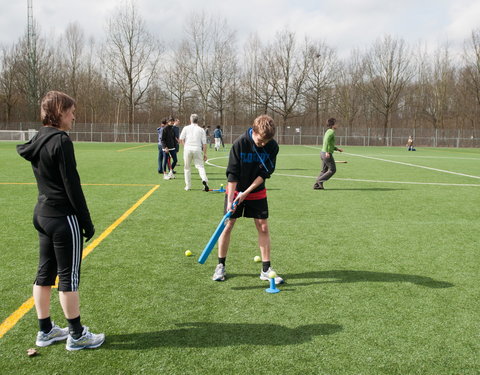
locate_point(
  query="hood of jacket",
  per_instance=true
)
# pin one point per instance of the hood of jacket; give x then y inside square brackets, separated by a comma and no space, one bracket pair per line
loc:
[31,149]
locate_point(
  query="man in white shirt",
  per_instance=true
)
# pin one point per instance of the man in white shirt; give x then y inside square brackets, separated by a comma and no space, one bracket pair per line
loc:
[195,148]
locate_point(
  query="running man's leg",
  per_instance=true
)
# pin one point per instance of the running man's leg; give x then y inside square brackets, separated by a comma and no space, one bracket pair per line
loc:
[328,170]
[198,160]
[187,160]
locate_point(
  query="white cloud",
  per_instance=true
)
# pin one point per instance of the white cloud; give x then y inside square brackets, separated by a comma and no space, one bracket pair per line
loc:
[465,18]
[342,24]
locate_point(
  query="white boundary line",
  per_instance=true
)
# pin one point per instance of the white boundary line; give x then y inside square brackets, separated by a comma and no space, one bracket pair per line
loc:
[354,179]
[408,164]
[415,165]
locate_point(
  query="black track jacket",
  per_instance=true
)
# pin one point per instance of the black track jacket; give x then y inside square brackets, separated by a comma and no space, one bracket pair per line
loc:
[53,162]
[247,161]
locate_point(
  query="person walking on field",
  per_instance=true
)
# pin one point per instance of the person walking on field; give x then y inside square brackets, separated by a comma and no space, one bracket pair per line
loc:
[251,161]
[328,162]
[62,218]
[160,148]
[169,149]
[217,134]
[194,142]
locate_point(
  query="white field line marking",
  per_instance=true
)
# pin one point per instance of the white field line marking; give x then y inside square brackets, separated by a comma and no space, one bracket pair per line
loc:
[410,155]
[411,165]
[353,179]
[415,165]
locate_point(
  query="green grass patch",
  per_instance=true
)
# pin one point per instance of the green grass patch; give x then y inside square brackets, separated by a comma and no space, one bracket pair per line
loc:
[381,268]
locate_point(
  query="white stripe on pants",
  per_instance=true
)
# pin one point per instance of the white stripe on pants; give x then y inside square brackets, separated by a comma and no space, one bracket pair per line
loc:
[197,157]
[77,251]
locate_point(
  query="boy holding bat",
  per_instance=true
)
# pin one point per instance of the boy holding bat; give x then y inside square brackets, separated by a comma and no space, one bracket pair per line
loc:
[251,161]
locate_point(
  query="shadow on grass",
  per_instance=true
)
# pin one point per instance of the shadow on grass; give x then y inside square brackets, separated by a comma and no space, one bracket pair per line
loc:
[205,335]
[361,189]
[348,276]
[293,169]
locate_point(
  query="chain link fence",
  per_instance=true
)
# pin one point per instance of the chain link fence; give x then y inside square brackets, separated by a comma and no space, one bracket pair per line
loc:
[288,135]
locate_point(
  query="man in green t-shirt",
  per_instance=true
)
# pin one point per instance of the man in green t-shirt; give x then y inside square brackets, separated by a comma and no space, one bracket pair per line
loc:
[328,162]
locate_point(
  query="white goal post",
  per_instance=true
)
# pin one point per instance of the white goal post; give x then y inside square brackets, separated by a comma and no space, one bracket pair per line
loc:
[17,135]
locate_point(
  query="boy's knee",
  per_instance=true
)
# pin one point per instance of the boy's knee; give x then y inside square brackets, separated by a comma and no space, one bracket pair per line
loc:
[262,227]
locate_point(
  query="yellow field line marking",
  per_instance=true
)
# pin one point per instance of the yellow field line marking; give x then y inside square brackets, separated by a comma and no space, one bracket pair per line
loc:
[131,148]
[34,183]
[18,183]
[10,322]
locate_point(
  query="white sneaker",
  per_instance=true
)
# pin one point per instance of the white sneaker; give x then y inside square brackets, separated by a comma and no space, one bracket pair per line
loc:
[88,340]
[187,188]
[264,276]
[219,274]
[166,177]
[171,175]
[55,334]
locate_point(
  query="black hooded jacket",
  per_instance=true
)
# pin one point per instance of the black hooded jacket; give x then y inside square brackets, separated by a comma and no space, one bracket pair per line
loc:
[53,162]
[247,161]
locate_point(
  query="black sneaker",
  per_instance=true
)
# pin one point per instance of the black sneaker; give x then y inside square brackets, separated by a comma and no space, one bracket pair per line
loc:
[205,186]
[318,186]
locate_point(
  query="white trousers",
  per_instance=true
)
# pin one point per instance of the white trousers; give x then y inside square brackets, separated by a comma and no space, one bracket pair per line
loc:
[197,157]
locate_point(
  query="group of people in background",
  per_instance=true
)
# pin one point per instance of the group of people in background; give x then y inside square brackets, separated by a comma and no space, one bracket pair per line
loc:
[195,140]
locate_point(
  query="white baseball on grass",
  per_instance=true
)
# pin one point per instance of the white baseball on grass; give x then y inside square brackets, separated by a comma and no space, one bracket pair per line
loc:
[257,259]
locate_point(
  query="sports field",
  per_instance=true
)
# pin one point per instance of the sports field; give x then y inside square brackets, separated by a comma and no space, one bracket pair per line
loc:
[381,269]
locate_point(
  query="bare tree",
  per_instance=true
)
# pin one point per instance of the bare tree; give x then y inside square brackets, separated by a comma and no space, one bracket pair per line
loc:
[436,87]
[38,71]
[200,33]
[287,71]
[257,89]
[472,72]
[75,42]
[177,79]
[224,68]
[388,71]
[132,55]
[347,99]
[8,92]
[320,78]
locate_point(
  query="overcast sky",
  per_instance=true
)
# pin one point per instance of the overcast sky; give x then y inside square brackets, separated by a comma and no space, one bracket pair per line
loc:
[342,24]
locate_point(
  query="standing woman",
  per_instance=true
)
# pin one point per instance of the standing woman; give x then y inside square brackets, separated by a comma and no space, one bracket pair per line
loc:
[61,218]
[328,162]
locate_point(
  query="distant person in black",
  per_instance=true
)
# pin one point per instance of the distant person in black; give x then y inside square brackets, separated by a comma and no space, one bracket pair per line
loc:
[176,131]
[61,218]
[160,149]
[169,149]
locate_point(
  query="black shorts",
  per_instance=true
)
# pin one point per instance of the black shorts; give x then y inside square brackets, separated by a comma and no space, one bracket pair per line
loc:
[256,209]
[61,247]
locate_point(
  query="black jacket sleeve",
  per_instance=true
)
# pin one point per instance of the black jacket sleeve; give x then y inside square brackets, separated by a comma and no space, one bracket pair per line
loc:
[71,180]
[234,165]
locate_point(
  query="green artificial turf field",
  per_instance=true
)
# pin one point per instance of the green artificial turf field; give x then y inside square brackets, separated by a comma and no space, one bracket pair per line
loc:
[381,268]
